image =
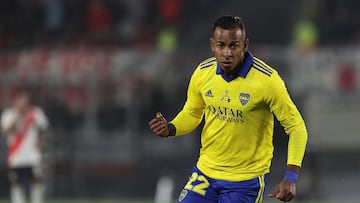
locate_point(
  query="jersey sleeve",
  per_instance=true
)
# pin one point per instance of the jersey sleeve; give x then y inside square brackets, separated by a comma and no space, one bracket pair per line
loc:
[41,119]
[6,120]
[191,114]
[289,117]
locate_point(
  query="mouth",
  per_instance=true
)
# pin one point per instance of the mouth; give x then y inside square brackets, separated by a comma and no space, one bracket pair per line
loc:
[226,64]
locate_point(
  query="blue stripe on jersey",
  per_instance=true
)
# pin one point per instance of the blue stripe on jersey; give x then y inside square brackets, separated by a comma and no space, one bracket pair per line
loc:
[207,61]
[206,66]
[261,68]
[263,65]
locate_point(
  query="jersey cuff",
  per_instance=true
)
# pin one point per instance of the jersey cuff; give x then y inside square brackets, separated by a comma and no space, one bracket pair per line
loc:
[172,130]
[291,176]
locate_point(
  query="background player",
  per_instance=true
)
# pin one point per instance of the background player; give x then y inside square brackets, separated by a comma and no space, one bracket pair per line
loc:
[25,127]
[239,95]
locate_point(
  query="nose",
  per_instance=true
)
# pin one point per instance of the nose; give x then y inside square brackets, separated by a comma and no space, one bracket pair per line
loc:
[227,52]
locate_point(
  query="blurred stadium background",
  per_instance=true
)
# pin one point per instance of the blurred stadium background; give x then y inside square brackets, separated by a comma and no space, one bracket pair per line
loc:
[102,68]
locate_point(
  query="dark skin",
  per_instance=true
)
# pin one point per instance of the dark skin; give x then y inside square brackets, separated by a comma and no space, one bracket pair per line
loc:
[229,47]
[159,125]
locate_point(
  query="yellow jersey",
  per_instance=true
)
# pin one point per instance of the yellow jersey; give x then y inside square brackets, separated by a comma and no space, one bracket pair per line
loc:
[237,138]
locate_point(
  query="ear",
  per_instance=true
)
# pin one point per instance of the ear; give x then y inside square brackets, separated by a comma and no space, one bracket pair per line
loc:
[212,44]
[246,44]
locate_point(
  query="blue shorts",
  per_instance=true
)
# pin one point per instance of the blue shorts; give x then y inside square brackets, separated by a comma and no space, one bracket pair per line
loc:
[202,189]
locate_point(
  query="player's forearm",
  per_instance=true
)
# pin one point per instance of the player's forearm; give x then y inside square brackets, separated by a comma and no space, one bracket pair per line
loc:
[293,168]
[41,138]
[9,130]
[294,126]
[186,121]
[296,147]
[43,134]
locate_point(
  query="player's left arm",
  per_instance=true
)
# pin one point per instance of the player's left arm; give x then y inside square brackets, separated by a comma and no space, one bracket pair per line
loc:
[41,138]
[290,118]
[43,126]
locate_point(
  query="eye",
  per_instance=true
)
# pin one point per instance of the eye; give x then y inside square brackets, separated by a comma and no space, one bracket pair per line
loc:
[220,45]
[234,45]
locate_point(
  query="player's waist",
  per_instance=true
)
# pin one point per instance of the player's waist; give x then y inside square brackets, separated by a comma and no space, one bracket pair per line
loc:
[233,173]
[245,182]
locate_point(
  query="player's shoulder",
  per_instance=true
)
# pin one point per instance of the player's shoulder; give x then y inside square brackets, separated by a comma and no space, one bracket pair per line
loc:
[204,68]
[263,68]
[8,111]
[207,64]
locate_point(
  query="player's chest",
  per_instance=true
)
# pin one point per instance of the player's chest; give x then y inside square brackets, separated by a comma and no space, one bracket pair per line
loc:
[232,95]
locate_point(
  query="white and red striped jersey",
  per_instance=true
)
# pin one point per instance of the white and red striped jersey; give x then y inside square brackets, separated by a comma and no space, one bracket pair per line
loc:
[23,148]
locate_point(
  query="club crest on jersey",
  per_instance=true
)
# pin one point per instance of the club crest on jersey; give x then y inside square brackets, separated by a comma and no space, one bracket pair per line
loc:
[244,98]
[183,195]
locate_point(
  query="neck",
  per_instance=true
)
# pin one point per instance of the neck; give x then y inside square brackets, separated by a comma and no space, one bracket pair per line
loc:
[234,71]
[23,110]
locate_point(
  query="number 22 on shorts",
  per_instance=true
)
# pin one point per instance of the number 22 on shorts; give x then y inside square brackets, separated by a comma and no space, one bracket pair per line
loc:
[199,188]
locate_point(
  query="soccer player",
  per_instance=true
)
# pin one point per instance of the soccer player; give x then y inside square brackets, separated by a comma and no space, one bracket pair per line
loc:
[25,127]
[239,95]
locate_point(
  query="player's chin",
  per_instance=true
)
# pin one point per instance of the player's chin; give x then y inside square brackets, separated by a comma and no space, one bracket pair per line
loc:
[227,68]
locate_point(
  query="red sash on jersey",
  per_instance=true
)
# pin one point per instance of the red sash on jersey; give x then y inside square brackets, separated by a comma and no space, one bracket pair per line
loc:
[19,138]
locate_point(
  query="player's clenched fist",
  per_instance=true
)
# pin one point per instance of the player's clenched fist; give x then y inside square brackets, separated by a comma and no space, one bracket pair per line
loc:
[159,125]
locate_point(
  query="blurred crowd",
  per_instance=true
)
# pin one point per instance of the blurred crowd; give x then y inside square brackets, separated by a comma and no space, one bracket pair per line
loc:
[103,22]
[339,22]
[48,45]
[143,22]
[53,49]
[330,22]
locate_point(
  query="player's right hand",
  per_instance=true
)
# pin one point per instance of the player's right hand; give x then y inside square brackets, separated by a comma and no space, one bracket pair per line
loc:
[159,125]
[285,191]
[11,129]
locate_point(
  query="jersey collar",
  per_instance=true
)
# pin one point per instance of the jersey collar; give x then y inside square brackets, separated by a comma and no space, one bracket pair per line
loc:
[243,70]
